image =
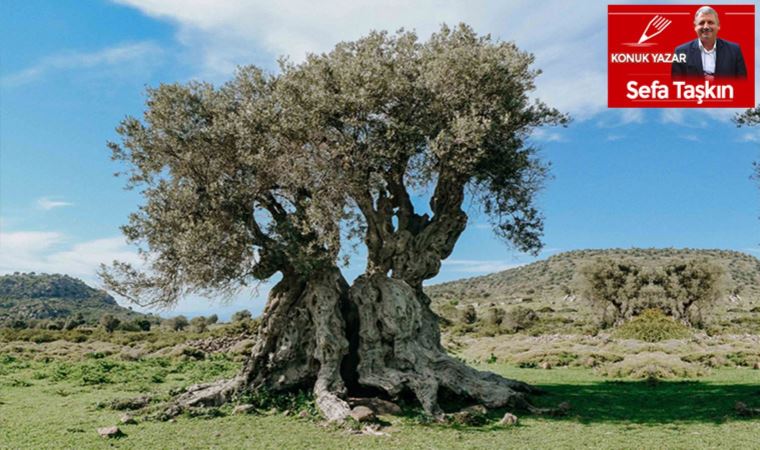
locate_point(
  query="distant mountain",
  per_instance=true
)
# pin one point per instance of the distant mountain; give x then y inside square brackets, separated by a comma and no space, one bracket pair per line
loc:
[552,285]
[32,296]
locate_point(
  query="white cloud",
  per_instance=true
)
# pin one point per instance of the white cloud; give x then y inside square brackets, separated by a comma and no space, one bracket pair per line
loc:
[675,116]
[750,136]
[132,53]
[46,203]
[52,252]
[632,115]
[23,244]
[543,135]
[477,266]
[567,39]
[614,137]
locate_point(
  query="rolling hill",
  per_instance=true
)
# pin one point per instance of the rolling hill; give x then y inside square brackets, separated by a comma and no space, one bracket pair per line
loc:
[32,296]
[551,287]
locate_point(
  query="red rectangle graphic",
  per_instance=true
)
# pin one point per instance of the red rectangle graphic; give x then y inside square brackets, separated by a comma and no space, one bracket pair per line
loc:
[680,56]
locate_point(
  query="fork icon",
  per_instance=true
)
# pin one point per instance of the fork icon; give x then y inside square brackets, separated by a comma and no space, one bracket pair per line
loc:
[655,27]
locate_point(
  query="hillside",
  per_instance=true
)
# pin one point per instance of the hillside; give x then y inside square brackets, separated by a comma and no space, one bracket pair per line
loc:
[31,296]
[552,285]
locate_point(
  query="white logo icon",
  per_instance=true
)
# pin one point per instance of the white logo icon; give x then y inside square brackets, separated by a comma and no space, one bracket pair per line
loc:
[655,27]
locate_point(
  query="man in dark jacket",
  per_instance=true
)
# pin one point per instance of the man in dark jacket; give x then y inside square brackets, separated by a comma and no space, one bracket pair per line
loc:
[707,56]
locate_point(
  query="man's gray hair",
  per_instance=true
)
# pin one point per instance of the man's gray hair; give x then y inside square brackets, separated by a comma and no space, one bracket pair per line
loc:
[707,10]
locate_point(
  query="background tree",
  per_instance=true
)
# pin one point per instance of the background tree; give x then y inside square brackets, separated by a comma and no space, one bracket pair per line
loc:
[109,323]
[177,323]
[681,289]
[199,324]
[271,174]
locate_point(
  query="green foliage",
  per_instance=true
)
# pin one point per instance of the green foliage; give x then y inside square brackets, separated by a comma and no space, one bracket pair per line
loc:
[177,323]
[652,326]
[199,324]
[468,315]
[109,323]
[241,315]
[680,288]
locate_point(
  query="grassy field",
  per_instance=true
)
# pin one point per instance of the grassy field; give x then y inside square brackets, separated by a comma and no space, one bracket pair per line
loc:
[57,402]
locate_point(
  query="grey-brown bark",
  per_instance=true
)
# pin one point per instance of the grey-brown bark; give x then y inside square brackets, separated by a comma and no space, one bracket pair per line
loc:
[301,344]
[400,350]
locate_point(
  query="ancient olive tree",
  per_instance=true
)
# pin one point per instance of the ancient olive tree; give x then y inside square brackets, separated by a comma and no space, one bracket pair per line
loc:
[275,174]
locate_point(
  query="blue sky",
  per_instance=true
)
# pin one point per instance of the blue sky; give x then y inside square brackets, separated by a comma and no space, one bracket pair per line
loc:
[71,70]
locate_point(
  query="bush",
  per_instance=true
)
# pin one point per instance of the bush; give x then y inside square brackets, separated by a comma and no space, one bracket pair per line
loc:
[109,323]
[178,323]
[468,316]
[652,365]
[518,318]
[652,326]
[199,324]
[241,316]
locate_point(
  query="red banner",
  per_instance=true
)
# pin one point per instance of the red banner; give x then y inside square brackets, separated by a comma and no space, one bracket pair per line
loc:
[659,56]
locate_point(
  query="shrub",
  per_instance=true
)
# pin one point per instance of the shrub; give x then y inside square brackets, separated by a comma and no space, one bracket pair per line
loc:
[212,319]
[241,315]
[199,324]
[469,316]
[652,365]
[518,318]
[109,323]
[652,326]
[178,323]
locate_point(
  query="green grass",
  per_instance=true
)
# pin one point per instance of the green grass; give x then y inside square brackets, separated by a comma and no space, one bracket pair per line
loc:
[57,404]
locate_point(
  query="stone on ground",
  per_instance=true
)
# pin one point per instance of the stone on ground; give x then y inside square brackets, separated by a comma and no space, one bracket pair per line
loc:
[509,419]
[362,414]
[109,432]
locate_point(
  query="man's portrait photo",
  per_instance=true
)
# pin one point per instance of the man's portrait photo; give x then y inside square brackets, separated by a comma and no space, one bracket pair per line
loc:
[708,56]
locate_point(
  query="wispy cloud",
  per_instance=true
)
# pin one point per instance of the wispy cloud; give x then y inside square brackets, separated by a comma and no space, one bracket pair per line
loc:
[569,44]
[71,60]
[672,116]
[633,115]
[42,251]
[46,203]
[477,266]
[543,135]
[614,137]
[750,136]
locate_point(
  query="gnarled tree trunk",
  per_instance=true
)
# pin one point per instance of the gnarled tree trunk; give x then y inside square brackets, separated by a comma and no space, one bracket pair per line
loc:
[400,350]
[301,344]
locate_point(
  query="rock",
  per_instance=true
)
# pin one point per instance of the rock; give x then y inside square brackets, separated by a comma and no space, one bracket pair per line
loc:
[303,414]
[509,419]
[756,366]
[130,403]
[109,432]
[127,419]
[362,414]
[243,409]
[564,406]
[545,365]
[476,409]
[378,405]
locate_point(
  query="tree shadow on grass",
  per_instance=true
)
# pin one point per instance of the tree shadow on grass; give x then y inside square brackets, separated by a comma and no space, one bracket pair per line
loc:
[653,403]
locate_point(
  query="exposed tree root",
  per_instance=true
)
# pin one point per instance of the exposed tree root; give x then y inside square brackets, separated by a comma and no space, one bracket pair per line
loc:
[303,342]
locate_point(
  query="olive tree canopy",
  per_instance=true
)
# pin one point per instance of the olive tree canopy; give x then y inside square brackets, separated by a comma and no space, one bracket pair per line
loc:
[278,173]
